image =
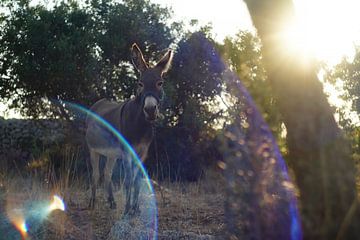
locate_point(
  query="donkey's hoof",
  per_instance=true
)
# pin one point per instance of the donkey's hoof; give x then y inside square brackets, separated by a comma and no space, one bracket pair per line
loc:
[135,211]
[130,213]
[91,205]
[125,216]
[112,205]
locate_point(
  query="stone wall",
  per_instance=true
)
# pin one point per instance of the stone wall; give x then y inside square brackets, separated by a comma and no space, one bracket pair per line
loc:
[22,139]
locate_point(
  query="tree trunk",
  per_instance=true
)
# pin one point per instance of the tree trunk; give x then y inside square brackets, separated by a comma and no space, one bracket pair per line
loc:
[318,153]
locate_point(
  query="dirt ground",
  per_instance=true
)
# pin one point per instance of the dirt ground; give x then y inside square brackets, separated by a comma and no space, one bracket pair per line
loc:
[187,211]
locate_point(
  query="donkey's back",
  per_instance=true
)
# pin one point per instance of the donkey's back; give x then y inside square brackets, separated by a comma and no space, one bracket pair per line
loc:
[99,138]
[108,110]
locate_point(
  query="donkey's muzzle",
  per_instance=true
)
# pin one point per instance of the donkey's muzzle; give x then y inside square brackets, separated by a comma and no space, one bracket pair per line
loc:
[151,108]
[151,113]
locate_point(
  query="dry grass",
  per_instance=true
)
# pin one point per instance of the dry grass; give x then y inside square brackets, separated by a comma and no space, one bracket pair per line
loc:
[192,208]
[184,209]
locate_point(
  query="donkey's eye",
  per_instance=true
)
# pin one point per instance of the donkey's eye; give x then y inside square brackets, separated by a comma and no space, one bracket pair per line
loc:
[160,83]
[140,84]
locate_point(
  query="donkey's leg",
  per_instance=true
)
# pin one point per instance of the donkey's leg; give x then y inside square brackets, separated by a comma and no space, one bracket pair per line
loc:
[138,175]
[137,184]
[94,160]
[128,183]
[108,181]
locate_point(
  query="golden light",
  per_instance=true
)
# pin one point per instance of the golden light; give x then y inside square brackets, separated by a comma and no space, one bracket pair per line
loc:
[23,228]
[325,29]
[30,216]
[18,220]
[57,203]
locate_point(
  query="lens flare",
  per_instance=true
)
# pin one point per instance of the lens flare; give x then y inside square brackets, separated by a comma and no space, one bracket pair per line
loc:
[57,203]
[29,216]
[23,228]
[257,203]
[16,217]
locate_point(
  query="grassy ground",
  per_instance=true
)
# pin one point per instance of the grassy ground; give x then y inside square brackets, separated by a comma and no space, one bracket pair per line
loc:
[185,211]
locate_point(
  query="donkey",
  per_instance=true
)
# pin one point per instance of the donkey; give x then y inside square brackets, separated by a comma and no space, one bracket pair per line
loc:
[134,119]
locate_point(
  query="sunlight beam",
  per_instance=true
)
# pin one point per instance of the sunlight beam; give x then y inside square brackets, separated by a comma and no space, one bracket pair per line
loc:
[324,29]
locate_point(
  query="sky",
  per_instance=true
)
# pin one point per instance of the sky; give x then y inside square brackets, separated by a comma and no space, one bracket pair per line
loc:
[327,29]
[226,16]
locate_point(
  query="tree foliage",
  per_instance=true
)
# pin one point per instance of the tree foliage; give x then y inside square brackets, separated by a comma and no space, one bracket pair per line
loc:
[195,80]
[348,73]
[74,53]
[80,53]
[243,55]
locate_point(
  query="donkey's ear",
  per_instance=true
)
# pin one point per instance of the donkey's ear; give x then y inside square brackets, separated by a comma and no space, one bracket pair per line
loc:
[165,62]
[138,58]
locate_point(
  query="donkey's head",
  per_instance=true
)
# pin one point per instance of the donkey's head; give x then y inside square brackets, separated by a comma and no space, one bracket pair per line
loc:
[150,84]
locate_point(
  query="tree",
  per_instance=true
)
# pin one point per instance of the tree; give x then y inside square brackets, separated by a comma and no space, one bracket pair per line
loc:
[347,75]
[118,27]
[318,153]
[46,54]
[243,55]
[74,53]
[81,54]
[193,82]
[348,72]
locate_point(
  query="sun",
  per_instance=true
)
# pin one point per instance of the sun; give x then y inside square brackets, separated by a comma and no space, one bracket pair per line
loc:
[325,29]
